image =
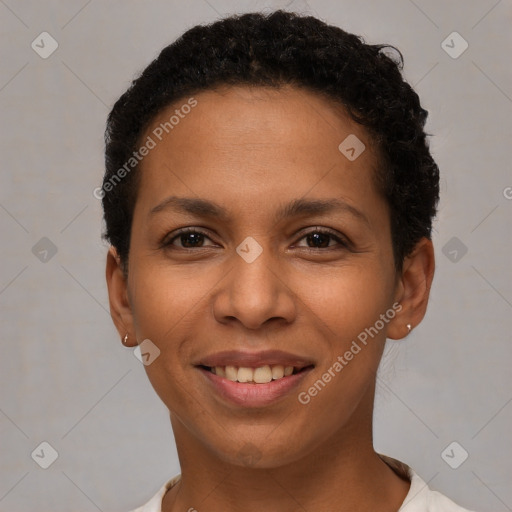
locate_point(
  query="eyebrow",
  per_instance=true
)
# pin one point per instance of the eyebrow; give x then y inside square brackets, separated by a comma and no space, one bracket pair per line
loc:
[297,207]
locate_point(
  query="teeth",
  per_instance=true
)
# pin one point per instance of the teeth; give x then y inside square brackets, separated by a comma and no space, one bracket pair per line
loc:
[231,372]
[245,374]
[260,375]
[277,371]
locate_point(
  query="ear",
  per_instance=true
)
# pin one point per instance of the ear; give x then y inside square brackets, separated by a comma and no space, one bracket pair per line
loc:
[120,309]
[413,289]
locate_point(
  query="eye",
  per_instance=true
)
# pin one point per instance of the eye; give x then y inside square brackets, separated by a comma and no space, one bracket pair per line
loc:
[321,238]
[188,238]
[193,238]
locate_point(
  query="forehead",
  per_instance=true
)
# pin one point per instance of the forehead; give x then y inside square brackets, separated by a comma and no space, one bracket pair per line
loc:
[242,142]
[261,115]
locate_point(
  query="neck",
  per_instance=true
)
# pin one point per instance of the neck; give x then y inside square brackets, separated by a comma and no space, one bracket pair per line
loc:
[343,473]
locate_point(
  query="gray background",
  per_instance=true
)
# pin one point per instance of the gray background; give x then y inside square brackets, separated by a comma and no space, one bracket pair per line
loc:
[67,380]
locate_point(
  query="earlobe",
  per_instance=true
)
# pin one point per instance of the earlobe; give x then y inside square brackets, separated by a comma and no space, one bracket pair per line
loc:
[120,308]
[413,289]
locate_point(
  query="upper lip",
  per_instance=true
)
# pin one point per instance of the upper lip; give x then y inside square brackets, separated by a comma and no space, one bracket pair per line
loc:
[254,359]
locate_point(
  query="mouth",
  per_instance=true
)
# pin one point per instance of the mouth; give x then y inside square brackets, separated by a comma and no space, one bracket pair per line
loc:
[250,387]
[255,375]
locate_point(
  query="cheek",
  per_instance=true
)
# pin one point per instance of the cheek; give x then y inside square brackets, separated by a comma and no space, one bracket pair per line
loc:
[168,306]
[348,299]
[350,303]
[165,298]
[162,308]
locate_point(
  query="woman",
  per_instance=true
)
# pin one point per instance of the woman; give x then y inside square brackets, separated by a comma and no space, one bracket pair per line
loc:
[268,197]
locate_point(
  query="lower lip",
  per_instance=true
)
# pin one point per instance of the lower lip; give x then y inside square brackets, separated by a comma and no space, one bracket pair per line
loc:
[254,395]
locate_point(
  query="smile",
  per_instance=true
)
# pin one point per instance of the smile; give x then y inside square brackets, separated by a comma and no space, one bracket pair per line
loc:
[259,375]
[248,392]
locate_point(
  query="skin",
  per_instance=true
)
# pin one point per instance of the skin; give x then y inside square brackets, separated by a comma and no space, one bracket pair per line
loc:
[253,150]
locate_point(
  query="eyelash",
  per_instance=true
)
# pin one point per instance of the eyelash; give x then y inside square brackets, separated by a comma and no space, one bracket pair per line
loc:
[342,243]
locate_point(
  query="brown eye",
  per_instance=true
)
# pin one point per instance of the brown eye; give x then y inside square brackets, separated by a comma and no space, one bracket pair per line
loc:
[318,240]
[191,239]
[321,239]
[187,239]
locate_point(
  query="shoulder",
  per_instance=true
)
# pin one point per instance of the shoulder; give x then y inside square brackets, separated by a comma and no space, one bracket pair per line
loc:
[420,497]
[155,503]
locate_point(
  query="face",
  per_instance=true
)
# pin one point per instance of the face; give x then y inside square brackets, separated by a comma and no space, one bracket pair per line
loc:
[257,243]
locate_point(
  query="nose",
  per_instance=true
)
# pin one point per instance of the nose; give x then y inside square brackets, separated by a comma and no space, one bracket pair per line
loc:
[255,293]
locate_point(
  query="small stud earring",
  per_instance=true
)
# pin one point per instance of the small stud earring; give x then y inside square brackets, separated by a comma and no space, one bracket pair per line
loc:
[125,339]
[409,327]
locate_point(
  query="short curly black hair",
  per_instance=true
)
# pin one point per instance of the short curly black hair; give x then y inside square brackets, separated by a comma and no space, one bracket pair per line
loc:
[273,50]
